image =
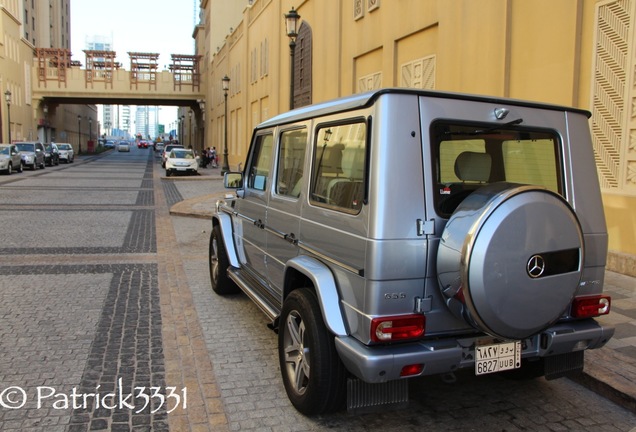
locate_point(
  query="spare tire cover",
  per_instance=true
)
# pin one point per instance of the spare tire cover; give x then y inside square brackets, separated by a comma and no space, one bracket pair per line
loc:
[510,259]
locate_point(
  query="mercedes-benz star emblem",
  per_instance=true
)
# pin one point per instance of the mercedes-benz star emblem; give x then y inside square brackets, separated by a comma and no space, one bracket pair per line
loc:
[535,266]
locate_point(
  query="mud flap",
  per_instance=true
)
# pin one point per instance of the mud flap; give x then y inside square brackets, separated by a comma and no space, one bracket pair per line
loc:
[361,395]
[564,364]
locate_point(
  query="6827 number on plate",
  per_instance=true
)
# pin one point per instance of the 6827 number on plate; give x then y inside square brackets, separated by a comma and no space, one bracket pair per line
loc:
[497,357]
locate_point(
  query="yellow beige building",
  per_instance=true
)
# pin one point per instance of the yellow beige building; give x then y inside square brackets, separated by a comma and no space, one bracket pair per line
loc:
[569,52]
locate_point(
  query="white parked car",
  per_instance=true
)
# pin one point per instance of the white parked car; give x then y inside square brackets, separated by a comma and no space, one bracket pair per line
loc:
[181,160]
[10,158]
[123,146]
[166,151]
[66,152]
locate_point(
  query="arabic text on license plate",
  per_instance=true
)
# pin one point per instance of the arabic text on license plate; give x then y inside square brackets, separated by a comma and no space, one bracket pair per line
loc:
[497,358]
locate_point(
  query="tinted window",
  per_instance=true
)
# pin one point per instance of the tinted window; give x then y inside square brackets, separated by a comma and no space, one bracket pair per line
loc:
[260,163]
[339,166]
[291,159]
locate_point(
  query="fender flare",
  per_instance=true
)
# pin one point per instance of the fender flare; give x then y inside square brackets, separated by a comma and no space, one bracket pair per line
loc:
[224,222]
[325,285]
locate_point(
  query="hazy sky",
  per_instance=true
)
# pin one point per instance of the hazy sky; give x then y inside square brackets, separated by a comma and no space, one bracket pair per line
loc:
[155,26]
[150,26]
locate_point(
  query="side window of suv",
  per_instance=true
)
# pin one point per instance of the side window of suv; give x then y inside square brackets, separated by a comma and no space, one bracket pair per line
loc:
[260,163]
[291,159]
[339,167]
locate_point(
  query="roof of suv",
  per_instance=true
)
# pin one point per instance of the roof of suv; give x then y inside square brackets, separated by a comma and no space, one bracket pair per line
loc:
[366,99]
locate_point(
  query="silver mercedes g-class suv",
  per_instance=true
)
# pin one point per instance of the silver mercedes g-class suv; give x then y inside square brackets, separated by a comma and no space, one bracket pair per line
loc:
[401,233]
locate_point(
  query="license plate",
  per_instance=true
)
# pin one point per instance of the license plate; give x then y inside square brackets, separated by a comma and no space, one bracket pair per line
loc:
[497,357]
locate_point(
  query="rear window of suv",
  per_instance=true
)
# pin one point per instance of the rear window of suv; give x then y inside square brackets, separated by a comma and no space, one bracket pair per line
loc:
[468,156]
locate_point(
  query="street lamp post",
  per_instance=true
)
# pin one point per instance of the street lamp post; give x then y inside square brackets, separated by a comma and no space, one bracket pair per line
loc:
[182,140]
[45,110]
[79,134]
[190,130]
[7,98]
[90,129]
[225,82]
[291,24]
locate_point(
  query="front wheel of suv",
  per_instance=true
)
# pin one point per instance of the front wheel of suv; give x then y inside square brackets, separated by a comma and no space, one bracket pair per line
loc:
[219,263]
[313,375]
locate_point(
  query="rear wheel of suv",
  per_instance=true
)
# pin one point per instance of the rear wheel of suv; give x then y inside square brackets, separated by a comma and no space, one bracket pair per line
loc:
[218,264]
[313,375]
[510,259]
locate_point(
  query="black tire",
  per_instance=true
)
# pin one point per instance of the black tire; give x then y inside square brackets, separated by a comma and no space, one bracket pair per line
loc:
[9,169]
[313,375]
[167,173]
[218,264]
[20,167]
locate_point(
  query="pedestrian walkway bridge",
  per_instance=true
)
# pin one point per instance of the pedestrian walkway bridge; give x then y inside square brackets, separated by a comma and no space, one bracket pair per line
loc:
[59,80]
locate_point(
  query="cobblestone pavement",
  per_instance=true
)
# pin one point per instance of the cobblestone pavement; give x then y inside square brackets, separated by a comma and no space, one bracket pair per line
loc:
[103,292]
[244,357]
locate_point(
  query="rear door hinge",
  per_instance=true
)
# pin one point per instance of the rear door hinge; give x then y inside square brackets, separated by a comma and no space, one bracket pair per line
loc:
[423,305]
[425,227]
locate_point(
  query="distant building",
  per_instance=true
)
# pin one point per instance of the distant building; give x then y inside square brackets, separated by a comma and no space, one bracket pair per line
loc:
[99,43]
[113,123]
[147,121]
[47,24]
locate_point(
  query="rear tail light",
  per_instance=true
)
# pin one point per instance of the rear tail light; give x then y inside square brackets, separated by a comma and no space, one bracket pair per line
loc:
[591,306]
[397,328]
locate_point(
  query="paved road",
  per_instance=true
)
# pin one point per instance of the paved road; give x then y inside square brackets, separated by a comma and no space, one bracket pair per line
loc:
[103,293]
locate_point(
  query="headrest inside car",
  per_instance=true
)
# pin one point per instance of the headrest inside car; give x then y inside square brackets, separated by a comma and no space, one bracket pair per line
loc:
[473,166]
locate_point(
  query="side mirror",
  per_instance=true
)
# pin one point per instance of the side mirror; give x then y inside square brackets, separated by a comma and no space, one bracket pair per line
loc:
[233,180]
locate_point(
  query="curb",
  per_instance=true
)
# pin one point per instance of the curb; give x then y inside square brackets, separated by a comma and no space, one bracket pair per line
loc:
[607,373]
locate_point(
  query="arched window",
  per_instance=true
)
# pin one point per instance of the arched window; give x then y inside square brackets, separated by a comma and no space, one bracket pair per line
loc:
[302,67]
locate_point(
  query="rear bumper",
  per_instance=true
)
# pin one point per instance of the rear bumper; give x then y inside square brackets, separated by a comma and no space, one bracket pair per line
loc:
[376,364]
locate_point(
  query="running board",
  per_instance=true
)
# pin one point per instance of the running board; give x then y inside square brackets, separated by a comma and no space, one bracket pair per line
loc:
[362,396]
[258,299]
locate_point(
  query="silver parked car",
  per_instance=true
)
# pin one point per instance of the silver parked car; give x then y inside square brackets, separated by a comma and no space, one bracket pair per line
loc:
[66,152]
[401,233]
[10,158]
[33,155]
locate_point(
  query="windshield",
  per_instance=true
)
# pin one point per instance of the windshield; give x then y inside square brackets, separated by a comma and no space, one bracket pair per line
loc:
[26,147]
[4,150]
[64,146]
